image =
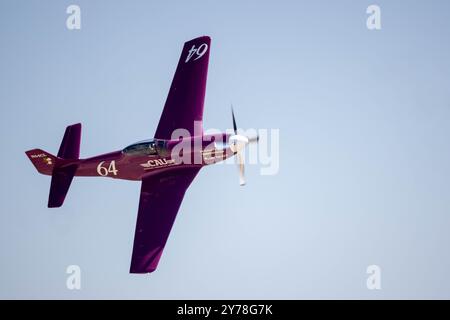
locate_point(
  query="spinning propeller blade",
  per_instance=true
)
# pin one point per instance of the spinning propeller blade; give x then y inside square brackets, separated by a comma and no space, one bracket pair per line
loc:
[237,144]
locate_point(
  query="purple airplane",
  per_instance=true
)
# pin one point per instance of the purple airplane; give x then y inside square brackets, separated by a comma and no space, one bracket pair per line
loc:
[165,169]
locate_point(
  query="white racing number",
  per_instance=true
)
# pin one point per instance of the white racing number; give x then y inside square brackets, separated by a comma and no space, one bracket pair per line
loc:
[104,171]
[199,52]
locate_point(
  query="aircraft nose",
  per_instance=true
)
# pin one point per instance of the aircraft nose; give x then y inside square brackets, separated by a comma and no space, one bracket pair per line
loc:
[238,142]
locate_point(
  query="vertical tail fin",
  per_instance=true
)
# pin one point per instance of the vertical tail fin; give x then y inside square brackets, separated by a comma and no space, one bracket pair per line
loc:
[43,161]
[70,145]
[63,174]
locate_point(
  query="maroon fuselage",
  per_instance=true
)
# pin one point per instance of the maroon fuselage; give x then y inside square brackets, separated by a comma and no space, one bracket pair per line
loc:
[140,159]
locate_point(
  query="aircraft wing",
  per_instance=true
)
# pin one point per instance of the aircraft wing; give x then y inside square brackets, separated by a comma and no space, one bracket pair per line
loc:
[161,196]
[184,103]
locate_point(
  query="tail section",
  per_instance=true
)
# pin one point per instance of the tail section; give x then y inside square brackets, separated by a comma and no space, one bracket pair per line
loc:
[43,161]
[61,180]
[70,145]
[63,167]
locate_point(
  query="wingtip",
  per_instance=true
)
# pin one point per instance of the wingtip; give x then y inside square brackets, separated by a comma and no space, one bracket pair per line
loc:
[76,125]
[201,38]
[54,205]
[139,271]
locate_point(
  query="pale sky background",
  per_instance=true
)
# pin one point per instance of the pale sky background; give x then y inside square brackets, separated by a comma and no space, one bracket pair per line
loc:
[364,120]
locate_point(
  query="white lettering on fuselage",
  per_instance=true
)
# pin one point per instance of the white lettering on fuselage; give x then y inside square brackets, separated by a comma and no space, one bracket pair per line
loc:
[150,164]
[214,154]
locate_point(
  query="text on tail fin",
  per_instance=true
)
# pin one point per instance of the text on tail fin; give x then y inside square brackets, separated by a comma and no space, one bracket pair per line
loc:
[43,161]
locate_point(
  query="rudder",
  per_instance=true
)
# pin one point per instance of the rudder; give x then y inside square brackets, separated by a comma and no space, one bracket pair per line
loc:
[43,161]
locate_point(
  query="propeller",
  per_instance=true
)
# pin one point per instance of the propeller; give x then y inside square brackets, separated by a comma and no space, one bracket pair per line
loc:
[238,143]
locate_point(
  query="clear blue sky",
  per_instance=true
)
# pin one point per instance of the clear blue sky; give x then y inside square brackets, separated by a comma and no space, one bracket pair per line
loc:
[364,120]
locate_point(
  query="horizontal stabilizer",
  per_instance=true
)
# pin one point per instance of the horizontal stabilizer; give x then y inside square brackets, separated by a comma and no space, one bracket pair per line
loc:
[70,145]
[61,180]
[63,167]
[62,175]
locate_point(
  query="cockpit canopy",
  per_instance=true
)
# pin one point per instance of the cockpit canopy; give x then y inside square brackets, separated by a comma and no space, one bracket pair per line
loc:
[147,147]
